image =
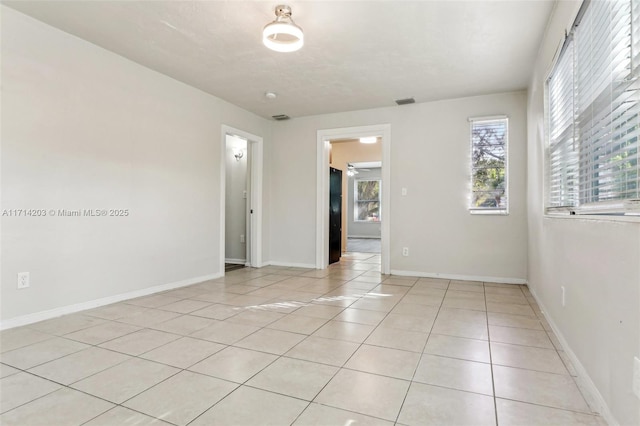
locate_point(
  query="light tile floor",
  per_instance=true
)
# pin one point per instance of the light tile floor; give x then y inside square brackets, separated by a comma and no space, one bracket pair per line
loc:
[285,346]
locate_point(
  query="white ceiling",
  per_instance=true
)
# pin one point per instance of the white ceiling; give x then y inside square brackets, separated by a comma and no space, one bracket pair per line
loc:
[357,54]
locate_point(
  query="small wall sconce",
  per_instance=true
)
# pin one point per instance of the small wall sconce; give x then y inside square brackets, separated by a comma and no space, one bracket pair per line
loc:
[238,153]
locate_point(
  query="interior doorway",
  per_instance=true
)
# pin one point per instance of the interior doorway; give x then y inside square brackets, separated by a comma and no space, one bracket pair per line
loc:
[374,213]
[364,195]
[241,199]
[237,203]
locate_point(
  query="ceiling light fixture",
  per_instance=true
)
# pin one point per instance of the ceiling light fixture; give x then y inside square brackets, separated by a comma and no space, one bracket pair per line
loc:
[351,170]
[283,35]
[369,139]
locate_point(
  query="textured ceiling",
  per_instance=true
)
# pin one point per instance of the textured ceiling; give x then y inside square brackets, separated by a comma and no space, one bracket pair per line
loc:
[357,54]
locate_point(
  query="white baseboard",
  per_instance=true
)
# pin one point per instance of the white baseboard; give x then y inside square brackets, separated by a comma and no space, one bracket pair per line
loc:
[594,397]
[499,280]
[362,237]
[64,310]
[236,261]
[292,265]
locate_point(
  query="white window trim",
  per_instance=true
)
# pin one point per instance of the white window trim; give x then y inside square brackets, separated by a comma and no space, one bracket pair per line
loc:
[355,200]
[489,211]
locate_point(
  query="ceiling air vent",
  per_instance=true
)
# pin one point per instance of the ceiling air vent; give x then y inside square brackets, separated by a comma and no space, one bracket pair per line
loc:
[281,117]
[405,101]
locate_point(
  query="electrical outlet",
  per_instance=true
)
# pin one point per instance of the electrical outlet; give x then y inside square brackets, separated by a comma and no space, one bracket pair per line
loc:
[636,376]
[23,280]
[405,251]
[244,194]
[242,238]
[564,295]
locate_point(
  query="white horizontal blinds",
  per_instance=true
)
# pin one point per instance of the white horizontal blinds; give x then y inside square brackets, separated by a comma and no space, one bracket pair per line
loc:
[606,103]
[635,38]
[562,168]
[489,164]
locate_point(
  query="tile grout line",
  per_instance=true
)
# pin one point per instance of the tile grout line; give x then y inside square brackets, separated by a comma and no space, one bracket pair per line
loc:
[351,356]
[280,356]
[493,380]
[242,281]
[343,367]
[129,355]
[422,353]
[274,361]
[340,368]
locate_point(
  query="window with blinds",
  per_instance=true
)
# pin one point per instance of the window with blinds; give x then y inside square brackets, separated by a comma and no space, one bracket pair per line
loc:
[489,137]
[592,113]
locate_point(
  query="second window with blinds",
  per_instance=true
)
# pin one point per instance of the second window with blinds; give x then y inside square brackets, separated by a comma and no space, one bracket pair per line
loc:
[489,189]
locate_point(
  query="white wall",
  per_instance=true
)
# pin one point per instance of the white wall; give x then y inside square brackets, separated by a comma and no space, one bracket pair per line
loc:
[85,128]
[236,199]
[430,156]
[596,259]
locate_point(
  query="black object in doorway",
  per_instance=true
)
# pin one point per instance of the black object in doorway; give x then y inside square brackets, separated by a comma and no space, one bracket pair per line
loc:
[335,215]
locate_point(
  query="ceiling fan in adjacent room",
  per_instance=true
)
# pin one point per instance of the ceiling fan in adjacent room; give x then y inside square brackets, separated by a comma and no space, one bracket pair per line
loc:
[352,171]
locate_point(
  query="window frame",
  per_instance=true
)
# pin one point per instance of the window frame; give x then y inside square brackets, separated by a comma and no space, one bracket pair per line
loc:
[356,200]
[496,211]
[615,208]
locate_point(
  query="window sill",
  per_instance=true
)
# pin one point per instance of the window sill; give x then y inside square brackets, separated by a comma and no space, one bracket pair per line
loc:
[594,217]
[489,212]
[618,211]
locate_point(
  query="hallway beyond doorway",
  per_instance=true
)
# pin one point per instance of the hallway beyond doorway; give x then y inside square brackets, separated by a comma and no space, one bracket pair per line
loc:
[364,245]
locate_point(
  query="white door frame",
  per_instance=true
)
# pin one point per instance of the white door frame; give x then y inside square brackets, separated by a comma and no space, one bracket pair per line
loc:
[255,193]
[322,213]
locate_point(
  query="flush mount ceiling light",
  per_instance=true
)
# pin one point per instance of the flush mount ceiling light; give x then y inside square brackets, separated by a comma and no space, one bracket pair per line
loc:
[369,139]
[283,35]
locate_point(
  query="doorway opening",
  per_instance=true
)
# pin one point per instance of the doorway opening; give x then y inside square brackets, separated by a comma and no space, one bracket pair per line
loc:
[241,200]
[237,191]
[364,208]
[364,189]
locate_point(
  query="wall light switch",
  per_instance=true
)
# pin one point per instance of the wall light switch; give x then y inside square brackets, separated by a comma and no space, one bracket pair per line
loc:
[404,191]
